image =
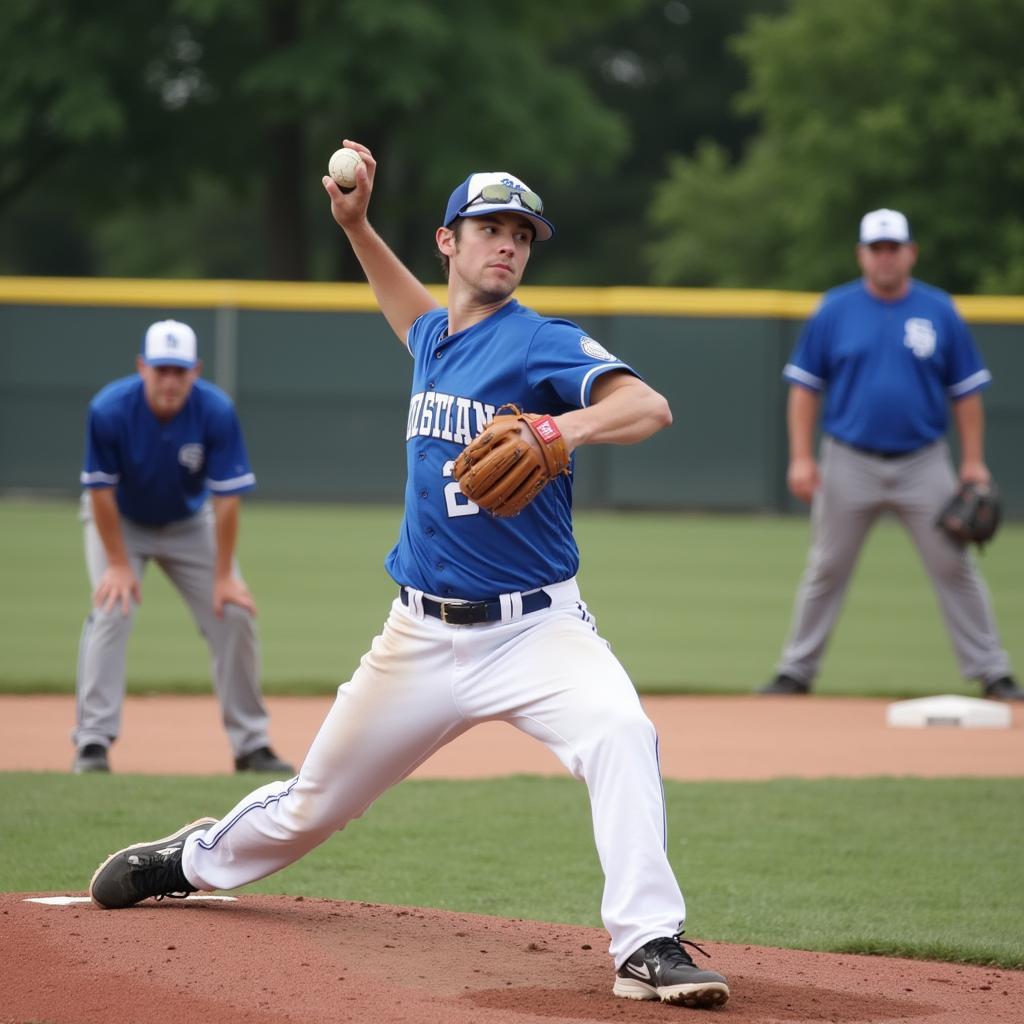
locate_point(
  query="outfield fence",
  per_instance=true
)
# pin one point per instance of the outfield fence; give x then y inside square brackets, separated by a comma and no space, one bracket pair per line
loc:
[322,386]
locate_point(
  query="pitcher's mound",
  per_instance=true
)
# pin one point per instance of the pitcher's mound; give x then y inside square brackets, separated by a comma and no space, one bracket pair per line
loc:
[289,960]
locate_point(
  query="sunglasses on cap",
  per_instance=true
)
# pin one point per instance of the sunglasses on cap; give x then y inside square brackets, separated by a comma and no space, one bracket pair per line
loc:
[500,193]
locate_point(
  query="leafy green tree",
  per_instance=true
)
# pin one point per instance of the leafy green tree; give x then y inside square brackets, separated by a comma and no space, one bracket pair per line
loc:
[187,137]
[667,71]
[89,117]
[129,111]
[917,106]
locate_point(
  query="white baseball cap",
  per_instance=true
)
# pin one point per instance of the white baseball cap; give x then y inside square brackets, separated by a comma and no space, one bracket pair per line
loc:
[884,226]
[169,343]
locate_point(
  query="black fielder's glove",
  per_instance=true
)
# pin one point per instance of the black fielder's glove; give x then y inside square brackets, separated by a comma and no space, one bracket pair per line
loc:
[972,515]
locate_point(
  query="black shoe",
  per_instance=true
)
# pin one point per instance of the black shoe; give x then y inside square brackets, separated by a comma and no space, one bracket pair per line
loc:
[263,759]
[145,869]
[92,757]
[1004,688]
[785,684]
[662,969]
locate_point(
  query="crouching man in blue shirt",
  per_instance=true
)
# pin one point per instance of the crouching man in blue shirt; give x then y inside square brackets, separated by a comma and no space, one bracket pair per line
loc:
[158,444]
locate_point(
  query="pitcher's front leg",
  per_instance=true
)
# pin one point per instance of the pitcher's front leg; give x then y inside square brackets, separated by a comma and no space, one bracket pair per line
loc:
[397,710]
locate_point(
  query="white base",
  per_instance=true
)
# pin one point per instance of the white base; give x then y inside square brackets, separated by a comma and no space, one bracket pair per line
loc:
[948,710]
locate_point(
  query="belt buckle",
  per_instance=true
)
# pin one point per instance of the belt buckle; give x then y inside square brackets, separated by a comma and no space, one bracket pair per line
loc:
[461,613]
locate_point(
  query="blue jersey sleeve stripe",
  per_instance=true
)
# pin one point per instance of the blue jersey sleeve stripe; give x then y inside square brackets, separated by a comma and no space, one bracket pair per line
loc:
[97,478]
[234,484]
[798,376]
[968,384]
[603,368]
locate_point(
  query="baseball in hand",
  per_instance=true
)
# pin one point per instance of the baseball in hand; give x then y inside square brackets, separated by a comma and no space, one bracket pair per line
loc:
[342,167]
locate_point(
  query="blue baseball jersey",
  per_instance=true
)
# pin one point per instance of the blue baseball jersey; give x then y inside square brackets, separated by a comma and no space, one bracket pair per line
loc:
[888,369]
[164,472]
[448,546]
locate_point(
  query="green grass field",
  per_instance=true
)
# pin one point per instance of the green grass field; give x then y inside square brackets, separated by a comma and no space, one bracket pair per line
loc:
[697,604]
[694,604]
[909,867]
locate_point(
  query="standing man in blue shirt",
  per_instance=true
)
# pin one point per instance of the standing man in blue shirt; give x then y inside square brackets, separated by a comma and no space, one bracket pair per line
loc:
[158,444]
[886,356]
[488,623]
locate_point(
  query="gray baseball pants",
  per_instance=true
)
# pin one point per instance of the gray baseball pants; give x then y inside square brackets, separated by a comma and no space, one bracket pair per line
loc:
[185,550]
[856,488]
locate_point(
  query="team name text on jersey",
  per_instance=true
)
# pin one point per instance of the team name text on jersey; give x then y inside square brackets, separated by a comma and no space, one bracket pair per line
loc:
[449,417]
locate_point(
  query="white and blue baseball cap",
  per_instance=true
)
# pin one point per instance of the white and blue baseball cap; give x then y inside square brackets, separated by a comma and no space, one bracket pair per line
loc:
[884,226]
[486,192]
[169,343]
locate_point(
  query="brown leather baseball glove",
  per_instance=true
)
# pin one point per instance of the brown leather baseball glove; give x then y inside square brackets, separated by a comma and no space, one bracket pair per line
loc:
[502,471]
[972,515]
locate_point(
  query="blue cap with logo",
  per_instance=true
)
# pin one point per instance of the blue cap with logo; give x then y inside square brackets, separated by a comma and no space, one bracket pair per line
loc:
[169,343]
[486,192]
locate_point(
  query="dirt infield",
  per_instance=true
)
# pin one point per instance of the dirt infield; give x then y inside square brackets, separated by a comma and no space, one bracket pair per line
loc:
[281,960]
[701,738]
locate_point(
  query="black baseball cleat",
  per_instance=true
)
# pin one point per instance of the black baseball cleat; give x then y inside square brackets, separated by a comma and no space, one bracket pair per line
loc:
[1003,688]
[785,684]
[91,757]
[263,759]
[146,869]
[662,969]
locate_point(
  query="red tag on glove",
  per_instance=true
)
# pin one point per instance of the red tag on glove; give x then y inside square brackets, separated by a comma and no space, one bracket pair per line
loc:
[546,429]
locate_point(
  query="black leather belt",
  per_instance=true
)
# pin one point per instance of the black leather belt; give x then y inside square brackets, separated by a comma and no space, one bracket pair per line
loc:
[471,613]
[876,452]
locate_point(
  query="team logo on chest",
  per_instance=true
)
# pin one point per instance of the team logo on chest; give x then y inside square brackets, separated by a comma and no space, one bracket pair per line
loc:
[919,336]
[192,456]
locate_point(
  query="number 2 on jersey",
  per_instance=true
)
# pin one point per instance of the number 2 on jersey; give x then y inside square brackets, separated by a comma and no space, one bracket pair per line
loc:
[456,502]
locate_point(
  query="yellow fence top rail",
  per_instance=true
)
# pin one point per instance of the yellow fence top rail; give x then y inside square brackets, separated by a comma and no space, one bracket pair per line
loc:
[347,297]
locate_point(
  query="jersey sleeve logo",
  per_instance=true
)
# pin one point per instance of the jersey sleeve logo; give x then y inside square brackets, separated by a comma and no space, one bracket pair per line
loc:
[919,336]
[192,456]
[596,350]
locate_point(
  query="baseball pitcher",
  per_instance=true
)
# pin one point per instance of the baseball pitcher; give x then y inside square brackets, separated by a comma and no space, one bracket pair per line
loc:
[488,622]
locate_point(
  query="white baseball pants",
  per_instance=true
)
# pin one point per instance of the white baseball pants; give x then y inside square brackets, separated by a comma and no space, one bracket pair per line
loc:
[424,682]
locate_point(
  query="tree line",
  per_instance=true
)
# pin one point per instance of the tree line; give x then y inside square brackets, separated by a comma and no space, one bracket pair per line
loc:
[727,143]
